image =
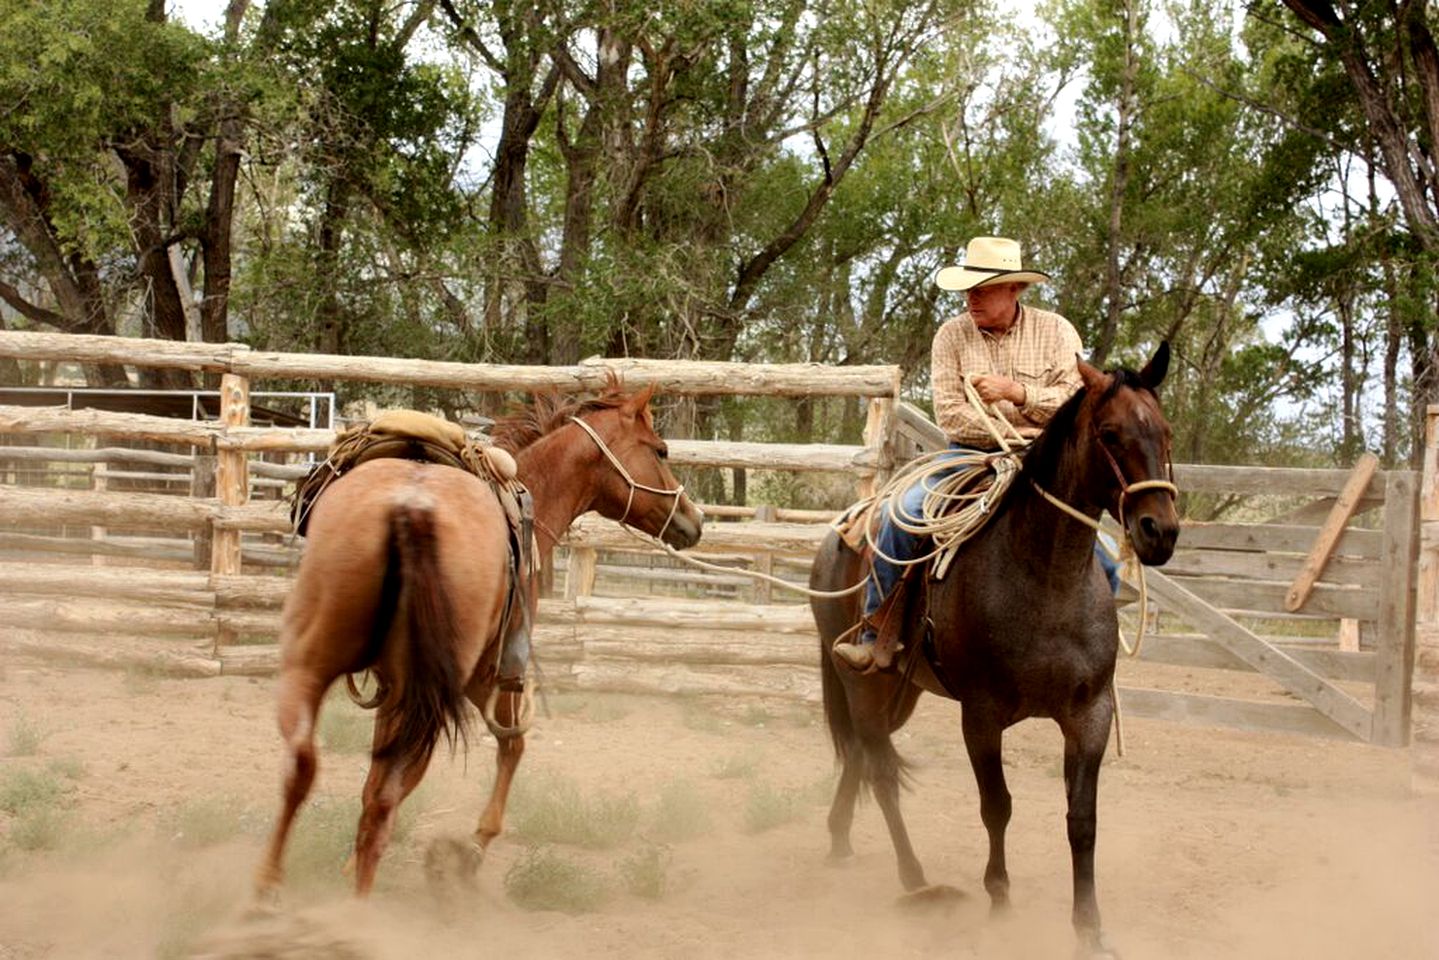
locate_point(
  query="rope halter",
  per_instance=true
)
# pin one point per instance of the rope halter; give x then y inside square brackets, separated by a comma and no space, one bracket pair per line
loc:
[634,484]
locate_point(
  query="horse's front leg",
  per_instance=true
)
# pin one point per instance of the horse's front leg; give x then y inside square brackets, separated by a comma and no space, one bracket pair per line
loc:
[1085,736]
[983,739]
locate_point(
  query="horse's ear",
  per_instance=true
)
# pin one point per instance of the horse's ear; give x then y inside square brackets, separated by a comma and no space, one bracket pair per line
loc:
[639,399]
[1153,373]
[1093,377]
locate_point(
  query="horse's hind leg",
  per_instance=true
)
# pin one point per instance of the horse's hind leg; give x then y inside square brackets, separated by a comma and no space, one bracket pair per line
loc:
[841,811]
[983,740]
[884,766]
[299,701]
[1085,737]
[507,759]
[386,787]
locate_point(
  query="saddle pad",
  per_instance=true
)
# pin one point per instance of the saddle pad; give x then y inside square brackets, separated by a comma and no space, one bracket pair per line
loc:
[421,426]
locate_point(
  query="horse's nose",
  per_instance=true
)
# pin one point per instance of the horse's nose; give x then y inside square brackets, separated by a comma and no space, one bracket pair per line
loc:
[1158,538]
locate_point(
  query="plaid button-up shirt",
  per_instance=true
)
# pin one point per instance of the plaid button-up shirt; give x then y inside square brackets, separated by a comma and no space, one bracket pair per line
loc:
[1038,351]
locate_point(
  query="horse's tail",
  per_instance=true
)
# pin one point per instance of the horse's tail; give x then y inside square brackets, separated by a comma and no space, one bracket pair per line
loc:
[425,692]
[830,617]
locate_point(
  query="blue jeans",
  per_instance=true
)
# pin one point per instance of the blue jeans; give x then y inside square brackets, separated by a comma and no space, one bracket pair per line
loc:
[903,545]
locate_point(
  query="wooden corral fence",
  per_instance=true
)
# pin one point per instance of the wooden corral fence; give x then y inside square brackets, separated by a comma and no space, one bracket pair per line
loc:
[1313,595]
[239,597]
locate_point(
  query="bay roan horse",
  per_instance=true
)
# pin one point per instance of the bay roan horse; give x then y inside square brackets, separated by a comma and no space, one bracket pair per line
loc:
[1022,625]
[405,573]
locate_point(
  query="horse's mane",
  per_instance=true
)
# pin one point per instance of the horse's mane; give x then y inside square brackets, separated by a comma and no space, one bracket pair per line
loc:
[1042,457]
[547,411]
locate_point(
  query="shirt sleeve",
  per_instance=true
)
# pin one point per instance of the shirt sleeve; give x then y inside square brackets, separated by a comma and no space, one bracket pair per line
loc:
[1041,402]
[954,414]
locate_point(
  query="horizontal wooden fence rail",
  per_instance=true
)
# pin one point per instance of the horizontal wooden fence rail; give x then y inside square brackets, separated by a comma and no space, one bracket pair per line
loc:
[695,377]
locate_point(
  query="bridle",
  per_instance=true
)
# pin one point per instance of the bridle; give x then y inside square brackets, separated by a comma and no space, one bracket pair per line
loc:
[634,484]
[1126,489]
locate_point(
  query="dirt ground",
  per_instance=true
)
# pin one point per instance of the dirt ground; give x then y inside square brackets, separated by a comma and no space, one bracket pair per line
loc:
[155,794]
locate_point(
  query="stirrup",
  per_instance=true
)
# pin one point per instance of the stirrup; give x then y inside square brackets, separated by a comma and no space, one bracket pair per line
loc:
[525,715]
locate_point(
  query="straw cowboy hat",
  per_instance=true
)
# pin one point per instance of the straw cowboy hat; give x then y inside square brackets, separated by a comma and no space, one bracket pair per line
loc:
[988,260]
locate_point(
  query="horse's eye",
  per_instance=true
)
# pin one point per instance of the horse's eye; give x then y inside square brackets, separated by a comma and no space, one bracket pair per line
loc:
[1109,436]
[663,451]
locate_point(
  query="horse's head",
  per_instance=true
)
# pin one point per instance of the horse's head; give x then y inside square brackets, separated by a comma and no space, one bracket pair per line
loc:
[635,485]
[1132,438]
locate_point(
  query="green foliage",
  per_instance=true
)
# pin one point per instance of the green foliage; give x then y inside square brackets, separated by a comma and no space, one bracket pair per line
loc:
[646,873]
[23,790]
[768,807]
[543,880]
[552,809]
[679,813]
[24,737]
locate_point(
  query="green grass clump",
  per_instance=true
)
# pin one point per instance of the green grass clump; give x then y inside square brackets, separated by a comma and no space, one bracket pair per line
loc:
[679,813]
[646,874]
[696,716]
[23,738]
[768,808]
[203,823]
[554,810]
[69,767]
[24,790]
[740,766]
[544,880]
[38,828]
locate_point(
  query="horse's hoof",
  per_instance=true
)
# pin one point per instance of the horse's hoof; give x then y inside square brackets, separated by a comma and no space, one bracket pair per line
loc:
[839,856]
[265,906]
[453,861]
[931,896]
[1097,948]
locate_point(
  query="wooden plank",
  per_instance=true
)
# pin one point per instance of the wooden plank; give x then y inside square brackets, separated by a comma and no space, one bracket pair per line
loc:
[1275,537]
[1283,567]
[696,377]
[36,506]
[1261,597]
[1292,675]
[158,586]
[109,654]
[133,426]
[1394,637]
[68,614]
[1254,715]
[1329,533]
[1285,481]
[1197,650]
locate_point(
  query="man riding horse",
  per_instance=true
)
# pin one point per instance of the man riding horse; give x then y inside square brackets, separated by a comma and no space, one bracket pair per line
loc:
[1020,360]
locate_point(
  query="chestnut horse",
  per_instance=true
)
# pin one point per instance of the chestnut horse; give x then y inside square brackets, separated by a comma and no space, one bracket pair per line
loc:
[405,573]
[1022,624]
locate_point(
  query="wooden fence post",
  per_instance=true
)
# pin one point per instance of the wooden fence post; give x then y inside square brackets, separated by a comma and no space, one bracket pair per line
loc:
[879,433]
[1394,638]
[764,562]
[1424,750]
[232,487]
[580,574]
